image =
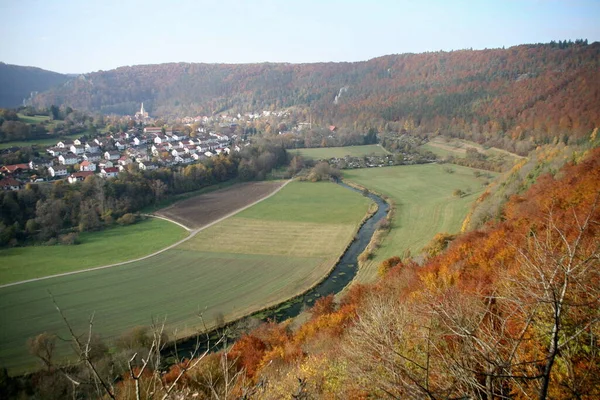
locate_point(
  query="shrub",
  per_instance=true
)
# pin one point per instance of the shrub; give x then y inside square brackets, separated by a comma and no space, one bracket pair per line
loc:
[69,239]
[127,219]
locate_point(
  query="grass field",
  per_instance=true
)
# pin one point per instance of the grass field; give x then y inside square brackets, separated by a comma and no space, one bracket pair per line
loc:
[254,259]
[36,119]
[40,142]
[329,152]
[97,248]
[444,147]
[425,205]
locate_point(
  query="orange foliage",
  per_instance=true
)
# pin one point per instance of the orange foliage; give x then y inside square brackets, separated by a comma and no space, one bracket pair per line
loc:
[248,352]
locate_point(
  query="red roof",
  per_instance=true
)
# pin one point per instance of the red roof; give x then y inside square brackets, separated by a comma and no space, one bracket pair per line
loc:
[9,182]
[12,168]
[111,169]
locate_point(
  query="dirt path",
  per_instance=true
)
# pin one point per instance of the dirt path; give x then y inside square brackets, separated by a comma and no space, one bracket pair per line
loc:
[191,235]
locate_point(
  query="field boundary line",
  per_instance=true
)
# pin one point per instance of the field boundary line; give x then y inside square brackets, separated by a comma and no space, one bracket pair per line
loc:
[191,235]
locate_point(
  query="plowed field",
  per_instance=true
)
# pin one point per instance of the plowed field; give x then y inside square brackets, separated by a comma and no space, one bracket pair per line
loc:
[202,210]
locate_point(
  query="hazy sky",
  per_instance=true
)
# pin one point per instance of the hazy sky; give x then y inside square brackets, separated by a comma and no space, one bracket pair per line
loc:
[89,35]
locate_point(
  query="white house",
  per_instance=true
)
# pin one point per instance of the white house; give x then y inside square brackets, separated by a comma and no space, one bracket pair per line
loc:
[56,151]
[124,161]
[78,150]
[92,147]
[92,157]
[38,163]
[109,172]
[64,144]
[87,166]
[57,170]
[121,145]
[68,159]
[112,155]
[146,166]
[105,164]
[79,176]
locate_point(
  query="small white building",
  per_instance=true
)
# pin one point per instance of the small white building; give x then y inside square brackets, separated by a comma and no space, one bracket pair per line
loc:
[87,166]
[57,170]
[112,155]
[68,159]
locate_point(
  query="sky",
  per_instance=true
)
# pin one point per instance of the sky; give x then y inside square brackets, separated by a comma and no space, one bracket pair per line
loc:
[79,36]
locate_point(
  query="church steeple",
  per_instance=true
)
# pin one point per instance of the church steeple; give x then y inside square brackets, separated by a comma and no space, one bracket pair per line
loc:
[142,110]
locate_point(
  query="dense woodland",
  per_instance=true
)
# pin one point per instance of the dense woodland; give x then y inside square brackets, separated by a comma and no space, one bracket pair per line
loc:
[508,98]
[58,211]
[18,83]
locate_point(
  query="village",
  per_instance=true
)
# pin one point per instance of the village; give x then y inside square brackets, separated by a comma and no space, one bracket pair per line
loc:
[142,148]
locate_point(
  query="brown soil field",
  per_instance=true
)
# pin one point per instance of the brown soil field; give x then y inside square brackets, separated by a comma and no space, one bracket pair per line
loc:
[201,210]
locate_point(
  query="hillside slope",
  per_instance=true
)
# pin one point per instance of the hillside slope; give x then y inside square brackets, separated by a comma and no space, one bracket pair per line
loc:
[18,82]
[544,92]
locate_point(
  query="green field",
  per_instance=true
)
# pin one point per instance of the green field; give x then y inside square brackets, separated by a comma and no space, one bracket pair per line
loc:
[40,142]
[257,258]
[445,147]
[339,152]
[36,119]
[425,205]
[109,246]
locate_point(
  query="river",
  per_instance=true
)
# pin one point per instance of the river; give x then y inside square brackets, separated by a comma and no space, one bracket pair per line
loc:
[341,275]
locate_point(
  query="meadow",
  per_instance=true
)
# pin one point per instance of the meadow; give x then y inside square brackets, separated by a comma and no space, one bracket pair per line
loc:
[425,205]
[109,246]
[33,119]
[339,152]
[50,141]
[259,257]
[445,147]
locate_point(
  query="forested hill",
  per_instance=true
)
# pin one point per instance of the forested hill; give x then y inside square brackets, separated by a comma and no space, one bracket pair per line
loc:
[541,91]
[17,83]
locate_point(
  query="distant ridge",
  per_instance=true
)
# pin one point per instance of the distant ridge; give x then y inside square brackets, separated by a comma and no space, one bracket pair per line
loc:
[17,83]
[539,92]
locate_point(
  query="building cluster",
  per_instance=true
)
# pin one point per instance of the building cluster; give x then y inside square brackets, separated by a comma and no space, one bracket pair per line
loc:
[147,149]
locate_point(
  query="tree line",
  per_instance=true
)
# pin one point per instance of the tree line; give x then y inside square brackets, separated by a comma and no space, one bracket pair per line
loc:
[50,212]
